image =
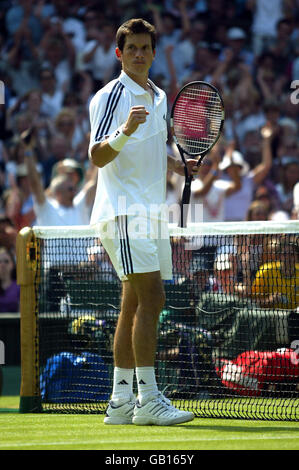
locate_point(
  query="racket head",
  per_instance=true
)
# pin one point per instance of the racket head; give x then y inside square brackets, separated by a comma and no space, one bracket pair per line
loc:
[197,118]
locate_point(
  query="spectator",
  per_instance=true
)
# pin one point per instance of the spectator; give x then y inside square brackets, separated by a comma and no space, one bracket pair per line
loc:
[9,290]
[189,45]
[200,277]
[275,285]
[63,206]
[203,65]
[208,191]
[98,56]
[2,184]
[267,194]
[230,314]
[57,53]
[296,201]
[214,17]
[265,17]
[181,259]
[22,13]
[236,40]
[52,95]
[236,205]
[18,199]
[66,124]
[59,149]
[29,105]
[102,267]
[289,177]
[282,46]
[288,144]
[258,210]
[22,68]
[251,249]
[295,64]
[8,233]
[69,167]
[225,272]
[258,373]
[69,22]
[169,32]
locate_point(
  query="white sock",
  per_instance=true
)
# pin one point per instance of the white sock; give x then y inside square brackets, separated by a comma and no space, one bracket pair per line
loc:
[146,383]
[122,385]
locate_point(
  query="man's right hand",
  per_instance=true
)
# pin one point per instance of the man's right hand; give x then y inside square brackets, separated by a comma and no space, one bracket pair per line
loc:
[136,117]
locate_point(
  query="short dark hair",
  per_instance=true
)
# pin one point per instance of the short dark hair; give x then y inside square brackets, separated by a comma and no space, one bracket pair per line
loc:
[135,26]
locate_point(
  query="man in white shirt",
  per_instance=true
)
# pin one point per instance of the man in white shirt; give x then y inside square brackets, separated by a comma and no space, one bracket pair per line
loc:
[98,55]
[208,191]
[128,144]
[60,204]
[52,95]
[265,17]
[295,213]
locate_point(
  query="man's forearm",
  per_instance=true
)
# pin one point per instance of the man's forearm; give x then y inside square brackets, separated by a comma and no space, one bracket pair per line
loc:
[105,152]
[101,154]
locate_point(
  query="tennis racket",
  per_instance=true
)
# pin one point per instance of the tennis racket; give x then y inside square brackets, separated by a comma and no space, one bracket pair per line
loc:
[196,122]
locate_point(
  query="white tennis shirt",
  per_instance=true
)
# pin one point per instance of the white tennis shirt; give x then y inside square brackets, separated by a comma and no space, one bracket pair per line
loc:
[134,183]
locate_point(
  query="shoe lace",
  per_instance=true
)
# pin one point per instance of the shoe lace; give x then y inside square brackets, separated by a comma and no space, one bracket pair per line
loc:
[165,400]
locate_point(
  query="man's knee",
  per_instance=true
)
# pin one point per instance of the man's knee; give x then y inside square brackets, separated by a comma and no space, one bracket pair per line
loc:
[150,292]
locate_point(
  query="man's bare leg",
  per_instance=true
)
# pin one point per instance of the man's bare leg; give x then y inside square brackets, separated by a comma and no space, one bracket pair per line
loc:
[124,362]
[150,294]
[123,348]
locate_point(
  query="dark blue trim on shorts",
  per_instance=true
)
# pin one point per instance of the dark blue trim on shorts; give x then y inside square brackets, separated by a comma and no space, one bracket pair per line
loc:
[126,257]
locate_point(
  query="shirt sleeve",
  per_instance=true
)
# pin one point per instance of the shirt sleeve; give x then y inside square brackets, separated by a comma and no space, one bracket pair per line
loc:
[105,114]
[96,105]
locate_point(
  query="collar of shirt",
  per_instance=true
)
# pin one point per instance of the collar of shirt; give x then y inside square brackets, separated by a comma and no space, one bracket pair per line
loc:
[134,87]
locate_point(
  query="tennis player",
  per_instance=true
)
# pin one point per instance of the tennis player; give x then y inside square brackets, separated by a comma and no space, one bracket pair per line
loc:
[128,144]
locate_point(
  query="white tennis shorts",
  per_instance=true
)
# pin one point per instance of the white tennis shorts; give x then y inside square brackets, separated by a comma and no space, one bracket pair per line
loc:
[137,245]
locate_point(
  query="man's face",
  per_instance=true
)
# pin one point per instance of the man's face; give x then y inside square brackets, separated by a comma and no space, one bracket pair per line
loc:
[137,55]
[65,193]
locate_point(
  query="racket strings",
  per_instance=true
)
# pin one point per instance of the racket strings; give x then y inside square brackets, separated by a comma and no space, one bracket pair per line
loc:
[197,118]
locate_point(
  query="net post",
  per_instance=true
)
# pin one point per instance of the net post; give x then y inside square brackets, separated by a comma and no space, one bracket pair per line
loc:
[26,249]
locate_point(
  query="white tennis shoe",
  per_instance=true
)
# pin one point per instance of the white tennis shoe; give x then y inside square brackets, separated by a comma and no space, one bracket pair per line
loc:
[160,412]
[120,414]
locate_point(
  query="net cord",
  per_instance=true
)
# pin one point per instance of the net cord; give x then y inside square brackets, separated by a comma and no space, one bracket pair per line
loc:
[193,229]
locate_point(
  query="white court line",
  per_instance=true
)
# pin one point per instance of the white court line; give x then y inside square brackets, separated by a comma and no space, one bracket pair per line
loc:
[99,441]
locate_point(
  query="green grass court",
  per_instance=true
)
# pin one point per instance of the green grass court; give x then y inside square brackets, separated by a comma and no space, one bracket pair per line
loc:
[87,432]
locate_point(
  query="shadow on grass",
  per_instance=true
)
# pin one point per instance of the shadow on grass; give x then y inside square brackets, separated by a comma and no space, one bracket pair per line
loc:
[242,428]
[9,410]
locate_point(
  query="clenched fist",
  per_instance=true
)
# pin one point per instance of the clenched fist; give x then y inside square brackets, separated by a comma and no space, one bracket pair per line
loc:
[136,117]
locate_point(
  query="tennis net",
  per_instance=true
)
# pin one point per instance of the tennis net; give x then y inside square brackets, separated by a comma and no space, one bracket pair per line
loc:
[228,339]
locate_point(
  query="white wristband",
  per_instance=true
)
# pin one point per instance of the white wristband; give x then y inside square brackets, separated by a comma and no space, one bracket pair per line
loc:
[117,139]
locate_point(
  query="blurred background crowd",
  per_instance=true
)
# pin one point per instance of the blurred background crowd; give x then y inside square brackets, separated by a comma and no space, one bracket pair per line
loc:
[56,54]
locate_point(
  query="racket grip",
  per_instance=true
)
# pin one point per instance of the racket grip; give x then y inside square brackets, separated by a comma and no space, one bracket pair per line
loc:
[185,200]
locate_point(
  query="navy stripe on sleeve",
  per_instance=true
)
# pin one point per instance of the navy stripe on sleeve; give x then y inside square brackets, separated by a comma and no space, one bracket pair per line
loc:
[112,102]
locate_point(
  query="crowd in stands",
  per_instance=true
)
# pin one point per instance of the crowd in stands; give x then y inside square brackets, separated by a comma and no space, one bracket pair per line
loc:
[56,54]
